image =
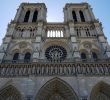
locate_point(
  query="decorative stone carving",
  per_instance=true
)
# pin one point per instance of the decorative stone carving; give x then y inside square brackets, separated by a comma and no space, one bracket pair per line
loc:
[22,45]
[56,53]
[87,45]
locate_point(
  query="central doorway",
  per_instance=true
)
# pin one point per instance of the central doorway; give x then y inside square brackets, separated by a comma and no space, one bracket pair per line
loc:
[56,89]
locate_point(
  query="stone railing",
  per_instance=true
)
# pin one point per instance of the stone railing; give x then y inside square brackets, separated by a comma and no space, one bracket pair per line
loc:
[71,60]
[16,61]
[55,69]
[55,30]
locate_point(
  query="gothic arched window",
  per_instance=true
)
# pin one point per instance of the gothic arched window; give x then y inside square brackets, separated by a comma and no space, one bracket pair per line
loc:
[10,93]
[94,55]
[16,57]
[87,32]
[27,57]
[74,16]
[83,56]
[82,16]
[78,32]
[35,16]
[26,18]
[56,53]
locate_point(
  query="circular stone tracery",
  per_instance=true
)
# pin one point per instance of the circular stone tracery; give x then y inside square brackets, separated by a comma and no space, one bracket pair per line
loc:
[56,53]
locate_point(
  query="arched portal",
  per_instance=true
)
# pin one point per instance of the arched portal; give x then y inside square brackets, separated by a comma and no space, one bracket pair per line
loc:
[82,16]
[94,55]
[10,93]
[56,89]
[35,16]
[16,56]
[27,57]
[26,18]
[100,92]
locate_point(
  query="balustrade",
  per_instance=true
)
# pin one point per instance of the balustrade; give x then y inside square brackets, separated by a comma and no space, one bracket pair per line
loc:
[55,30]
[55,33]
[61,69]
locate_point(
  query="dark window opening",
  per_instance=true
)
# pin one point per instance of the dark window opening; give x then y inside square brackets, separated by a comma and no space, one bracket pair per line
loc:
[15,57]
[87,32]
[83,56]
[78,31]
[82,16]
[26,18]
[94,56]
[35,16]
[74,16]
[27,57]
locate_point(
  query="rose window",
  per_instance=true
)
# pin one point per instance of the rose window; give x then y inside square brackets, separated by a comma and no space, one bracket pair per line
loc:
[55,53]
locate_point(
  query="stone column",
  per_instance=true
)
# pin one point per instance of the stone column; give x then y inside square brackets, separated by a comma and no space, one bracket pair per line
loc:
[66,32]
[69,14]
[10,30]
[78,16]
[65,15]
[91,13]
[37,51]
[3,50]
[75,52]
[44,33]
[21,57]
[7,39]
[87,15]
[100,38]
[23,13]
[42,12]
[108,54]
[39,15]
[2,54]
[39,29]
[71,26]
[83,33]
[19,10]
[31,16]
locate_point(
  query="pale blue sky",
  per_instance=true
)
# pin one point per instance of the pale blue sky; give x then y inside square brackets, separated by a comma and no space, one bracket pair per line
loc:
[101,9]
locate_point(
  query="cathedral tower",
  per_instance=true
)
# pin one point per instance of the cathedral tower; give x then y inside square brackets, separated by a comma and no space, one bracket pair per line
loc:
[40,60]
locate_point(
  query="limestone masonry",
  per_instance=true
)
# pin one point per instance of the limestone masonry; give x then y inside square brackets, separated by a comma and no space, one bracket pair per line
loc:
[40,60]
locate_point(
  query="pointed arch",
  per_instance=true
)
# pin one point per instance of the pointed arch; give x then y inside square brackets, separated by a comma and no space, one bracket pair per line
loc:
[83,56]
[100,91]
[10,93]
[26,18]
[74,16]
[94,55]
[82,16]
[35,16]
[16,57]
[27,57]
[56,89]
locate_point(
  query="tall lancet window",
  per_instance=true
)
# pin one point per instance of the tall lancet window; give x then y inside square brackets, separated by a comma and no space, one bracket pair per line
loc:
[16,57]
[35,16]
[26,18]
[83,56]
[82,16]
[74,16]
[27,57]
[94,56]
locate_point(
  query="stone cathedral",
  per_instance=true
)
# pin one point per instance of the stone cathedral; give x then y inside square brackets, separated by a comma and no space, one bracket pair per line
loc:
[42,60]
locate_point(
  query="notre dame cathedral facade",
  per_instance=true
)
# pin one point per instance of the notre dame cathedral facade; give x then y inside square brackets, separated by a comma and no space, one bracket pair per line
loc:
[54,61]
